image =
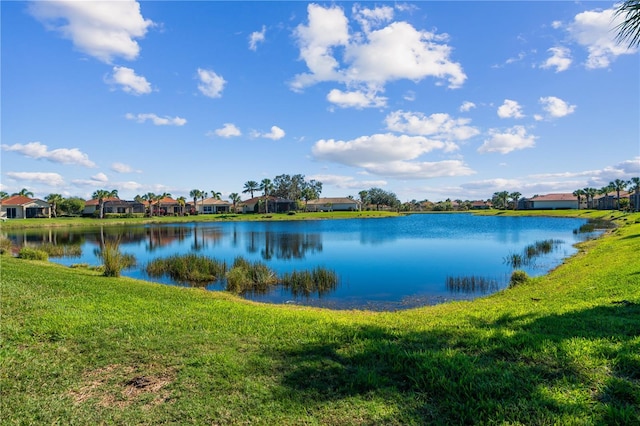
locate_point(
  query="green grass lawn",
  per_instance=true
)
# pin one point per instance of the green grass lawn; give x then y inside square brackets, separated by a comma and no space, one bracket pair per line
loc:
[78,348]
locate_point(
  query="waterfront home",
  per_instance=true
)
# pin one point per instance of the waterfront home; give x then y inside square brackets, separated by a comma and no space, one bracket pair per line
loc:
[609,201]
[213,205]
[332,204]
[112,205]
[273,205]
[555,201]
[21,207]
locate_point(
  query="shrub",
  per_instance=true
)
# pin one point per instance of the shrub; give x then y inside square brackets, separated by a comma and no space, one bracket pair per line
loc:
[518,277]
[5,245]
[32,254]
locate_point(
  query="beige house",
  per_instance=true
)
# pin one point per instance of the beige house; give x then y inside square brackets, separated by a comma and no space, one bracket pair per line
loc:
[213,205]
[333,204]
[21,207]
[556,201]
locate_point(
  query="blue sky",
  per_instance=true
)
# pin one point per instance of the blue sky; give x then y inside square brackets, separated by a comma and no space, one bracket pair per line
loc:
[430,100]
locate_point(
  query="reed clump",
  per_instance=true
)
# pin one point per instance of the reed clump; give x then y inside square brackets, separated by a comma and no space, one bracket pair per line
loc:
[190,268]
[305,283]
[5,245]
[250,277]
[518,277]
[29,253]
[61,250]
[471,284]
[114,261]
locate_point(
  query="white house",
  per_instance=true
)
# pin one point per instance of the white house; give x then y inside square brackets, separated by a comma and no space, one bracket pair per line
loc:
[21,207]
[333,204]
[213,205]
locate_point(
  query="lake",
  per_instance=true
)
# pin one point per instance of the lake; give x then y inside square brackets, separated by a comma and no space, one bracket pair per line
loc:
[382,264]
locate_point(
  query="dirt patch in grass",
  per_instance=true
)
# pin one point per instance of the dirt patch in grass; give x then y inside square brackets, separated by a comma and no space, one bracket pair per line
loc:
[120,386]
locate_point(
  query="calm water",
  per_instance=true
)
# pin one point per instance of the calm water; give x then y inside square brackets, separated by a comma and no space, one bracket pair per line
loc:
[382,264]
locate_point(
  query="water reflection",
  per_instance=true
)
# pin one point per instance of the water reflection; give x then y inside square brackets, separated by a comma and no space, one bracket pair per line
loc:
[379,261]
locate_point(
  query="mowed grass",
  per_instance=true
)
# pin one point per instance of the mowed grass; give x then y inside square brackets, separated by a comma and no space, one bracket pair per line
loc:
[78,348]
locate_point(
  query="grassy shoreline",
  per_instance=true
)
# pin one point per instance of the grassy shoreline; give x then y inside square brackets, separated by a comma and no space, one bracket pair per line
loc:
[561,349]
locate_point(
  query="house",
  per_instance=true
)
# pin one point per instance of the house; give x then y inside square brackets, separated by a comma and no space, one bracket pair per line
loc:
[213,205]
[555,201]
[609,201]
[167,206]
[332,204]
[480,205]
[273,205]
[21,207]
[112,205]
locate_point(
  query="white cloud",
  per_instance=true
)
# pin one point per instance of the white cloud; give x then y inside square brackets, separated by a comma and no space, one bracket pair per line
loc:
[356,99]
[275,134]
[515,138]
[556,107]
[51,179]
[556,24]
[211,84]
[123,168]
[228,130]
[378,148]
[371,58]
[100,177]
[155,119]
[560,59]
[257,37]
[420,170]
[467,106]
[347,182]
[103,30]
[38,150]
[130,82]
[595,30]
[510,109]
[439,126]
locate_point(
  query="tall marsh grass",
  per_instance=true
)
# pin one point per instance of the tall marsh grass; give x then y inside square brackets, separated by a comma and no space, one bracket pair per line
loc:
[471,284]
[61,250]
[530,252]
[114,261]
[305,283]
[29,253]
[5,245]
[190,268]
[250,277]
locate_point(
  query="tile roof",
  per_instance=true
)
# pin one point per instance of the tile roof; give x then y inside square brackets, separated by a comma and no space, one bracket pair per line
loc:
[96,202]
[17,200]
[555,197]
[334,200]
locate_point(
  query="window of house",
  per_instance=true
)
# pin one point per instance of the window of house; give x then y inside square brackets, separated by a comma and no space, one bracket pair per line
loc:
[11,212]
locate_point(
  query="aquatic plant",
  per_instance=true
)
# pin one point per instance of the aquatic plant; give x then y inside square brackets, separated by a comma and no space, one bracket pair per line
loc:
[471,284]
[518,277]
[249,277]
[114,261]
[5,245]
[29,253]
[61,250]
[304,283]
[190,268]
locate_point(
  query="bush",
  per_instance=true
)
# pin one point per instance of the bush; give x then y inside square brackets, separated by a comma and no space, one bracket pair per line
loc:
[518,277]
[32,254]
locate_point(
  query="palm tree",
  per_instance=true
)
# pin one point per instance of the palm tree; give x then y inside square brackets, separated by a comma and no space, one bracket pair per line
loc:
[578,193]
[235,199]
[500,199]
[195,193]
[54,200]
[149,197]
[629,29]
[604,191]
[618,185]
[24,192]
[634,185]
[159,198]
[251,186]
[100,195]
[267,187]
[215,194]
[589,193]
[515,196]
[182,201]
[3,195]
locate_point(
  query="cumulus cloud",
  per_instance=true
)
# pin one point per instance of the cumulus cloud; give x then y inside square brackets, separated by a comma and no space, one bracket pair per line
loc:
[348,182]
[51,179]
[129,81]
[257,37]
[228,130]
[438,126]
[104,30]
[560,59]
[512,139]
[123,168]
[211,84]
[467,106]
[157,120]
[100,177]
[510,109]
[355,99]
[595,31]
[372,57]
[556,107]
[275,134]
[390,155]
[38,150]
